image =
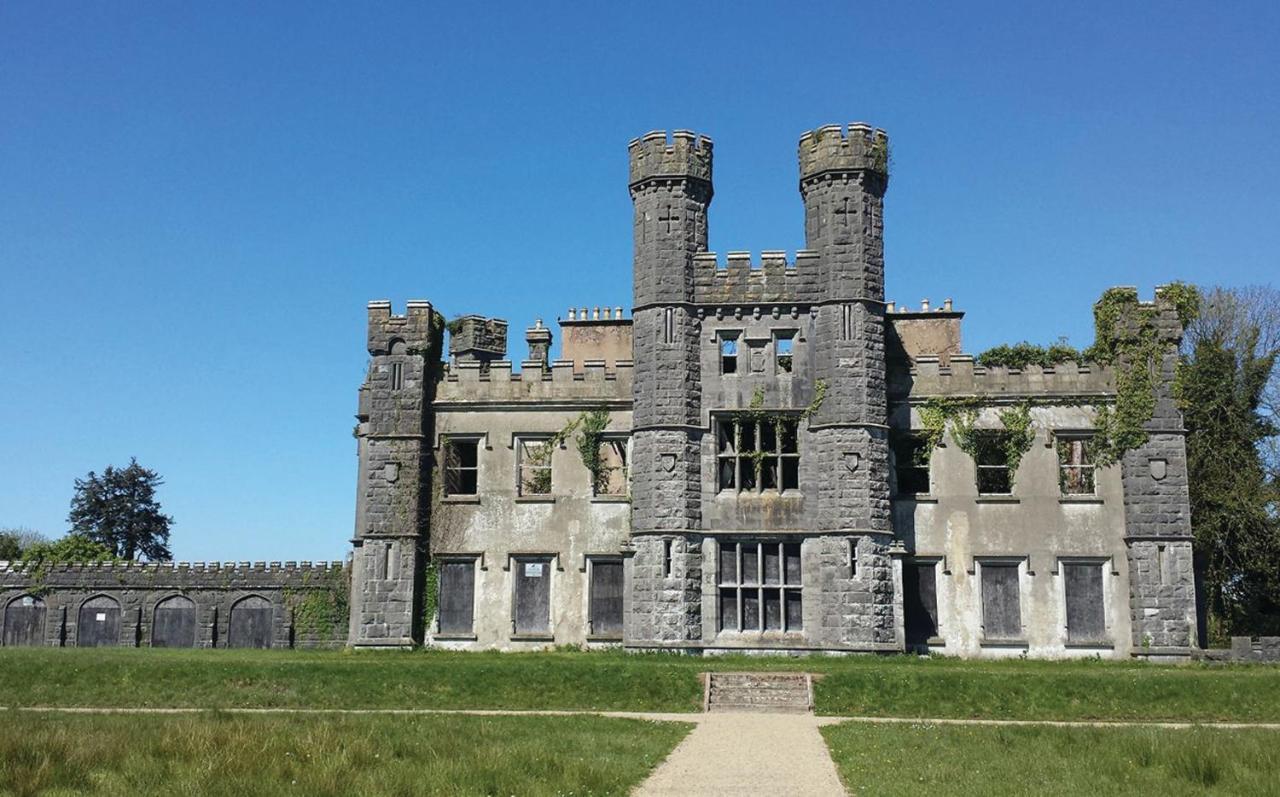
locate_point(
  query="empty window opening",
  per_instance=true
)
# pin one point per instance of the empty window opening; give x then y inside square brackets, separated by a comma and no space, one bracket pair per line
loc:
[606,599]
[669,325]
[1001,603]
[534,463]
[758,454]
[612,475]
[920,601]
[992,463]
[1086,614]
[853,558]
[729,354]
[783,345]
[1160,564]
[911,454]
[1076,469]
[760,587]
[846,322]
[397,376]
[456,604]
[666,558]
[461,466]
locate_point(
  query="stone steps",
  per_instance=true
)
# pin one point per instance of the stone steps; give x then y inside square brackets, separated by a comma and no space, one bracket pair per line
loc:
[764,692]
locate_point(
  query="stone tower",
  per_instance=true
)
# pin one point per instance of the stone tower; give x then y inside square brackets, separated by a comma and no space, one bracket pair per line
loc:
[843,177]
[393,481]
[670,184]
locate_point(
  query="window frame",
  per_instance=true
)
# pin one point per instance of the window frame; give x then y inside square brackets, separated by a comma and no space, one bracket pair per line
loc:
[740,587]
[980,468]
[446,468]
[1086,437]
[759,459]
[915,436]
[735,337]
[1106,568]
[788,335]
[1020,567]
[607,439]
[549,563]
[456,559]
[592,561]
[535,438]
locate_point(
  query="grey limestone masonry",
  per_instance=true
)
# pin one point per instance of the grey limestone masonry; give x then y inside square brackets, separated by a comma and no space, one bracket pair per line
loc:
[753,426]
[173,604]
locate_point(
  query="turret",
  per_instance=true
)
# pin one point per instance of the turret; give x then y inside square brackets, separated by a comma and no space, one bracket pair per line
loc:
[670,185]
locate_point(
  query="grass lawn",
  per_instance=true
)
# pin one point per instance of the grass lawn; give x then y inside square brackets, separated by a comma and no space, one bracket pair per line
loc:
[218,754]
[922,759]
[904,686]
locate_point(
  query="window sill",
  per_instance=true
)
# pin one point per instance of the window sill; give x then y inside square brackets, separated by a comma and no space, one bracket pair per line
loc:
[533,638]
[535,499]
[459,499]
[1080,499]
[997,499]
[610,499]
[1099,644]
[1004,643]
[609,638]
[453,637]
[916,498]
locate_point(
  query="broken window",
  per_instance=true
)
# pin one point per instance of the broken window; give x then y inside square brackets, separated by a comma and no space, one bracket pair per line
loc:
[760,586]
[783,344]
[533,456]
[1001,604]
[758,454]
[990,457]
[911,454]
[457,595]
[1076,469]
[729,353]
[920,601]
[1086,613]
[461,466]
[611,476]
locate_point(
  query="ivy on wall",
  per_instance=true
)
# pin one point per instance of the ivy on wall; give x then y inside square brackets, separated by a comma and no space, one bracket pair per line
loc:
[321,610]
[960,414]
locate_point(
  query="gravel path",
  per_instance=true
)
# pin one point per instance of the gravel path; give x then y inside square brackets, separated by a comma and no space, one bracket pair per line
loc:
[747,753]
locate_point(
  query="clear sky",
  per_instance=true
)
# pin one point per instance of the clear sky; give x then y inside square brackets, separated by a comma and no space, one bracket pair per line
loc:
[197,199]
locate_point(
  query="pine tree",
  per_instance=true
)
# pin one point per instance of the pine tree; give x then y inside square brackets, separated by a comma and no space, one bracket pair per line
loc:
[119,510]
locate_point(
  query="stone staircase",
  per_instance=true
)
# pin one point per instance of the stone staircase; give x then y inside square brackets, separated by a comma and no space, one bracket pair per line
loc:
[781,692]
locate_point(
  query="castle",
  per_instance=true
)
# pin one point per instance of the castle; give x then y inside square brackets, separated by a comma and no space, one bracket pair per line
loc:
[764,457]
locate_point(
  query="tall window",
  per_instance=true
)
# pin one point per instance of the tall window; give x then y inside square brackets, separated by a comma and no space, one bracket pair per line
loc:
[457,595]
[533,456]
[783,345]
[758,454]
[911,463]
[611,472]
[920,601]
[606,598]
[531,614]
[461,466]
[1001,603]
[1076,469]
[992,463]
[760,586]
[1086,613]
[397,376]
[729,352]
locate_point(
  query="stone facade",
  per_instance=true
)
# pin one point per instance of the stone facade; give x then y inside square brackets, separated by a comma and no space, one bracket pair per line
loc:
[752,408]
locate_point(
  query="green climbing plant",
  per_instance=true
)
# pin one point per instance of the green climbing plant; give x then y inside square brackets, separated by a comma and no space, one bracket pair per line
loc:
[960,415]
[321,609]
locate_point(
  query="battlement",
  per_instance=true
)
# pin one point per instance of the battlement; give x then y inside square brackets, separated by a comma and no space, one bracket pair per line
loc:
[413,329]
[832,148]
[770,278]
[927,377]
[468,382]
[685,155]
[25,567]
[474,337]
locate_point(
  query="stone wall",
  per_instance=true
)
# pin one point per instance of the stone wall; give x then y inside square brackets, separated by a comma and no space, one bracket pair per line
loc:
[218,604]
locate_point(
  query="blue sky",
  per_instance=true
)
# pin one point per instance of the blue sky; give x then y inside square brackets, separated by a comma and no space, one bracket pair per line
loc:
[197,200]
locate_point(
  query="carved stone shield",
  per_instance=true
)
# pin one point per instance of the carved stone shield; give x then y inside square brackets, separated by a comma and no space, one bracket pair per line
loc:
[667,462]
[852,459]
[1159,469]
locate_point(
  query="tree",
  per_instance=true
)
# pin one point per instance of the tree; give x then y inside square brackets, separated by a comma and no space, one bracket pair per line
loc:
[1222,385]
[71,548]
[16,540]
[119,509]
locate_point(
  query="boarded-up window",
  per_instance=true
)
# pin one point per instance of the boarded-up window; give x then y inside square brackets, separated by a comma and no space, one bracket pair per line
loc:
[461,466]
[534,463]
[1001,607]
[760,586]
[606,598]
[921,601]
[24,621]
[251,622]
[911,463]
[1086,613]
[611,472]
[532,595]
[992,461]
[175,623]
[99,623]
[457,596]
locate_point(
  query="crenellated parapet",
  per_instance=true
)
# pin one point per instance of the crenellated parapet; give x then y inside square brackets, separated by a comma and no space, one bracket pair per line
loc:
[685,156]
[832,149]
[771,278]
[412,330]
[927,377]
[595,382]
